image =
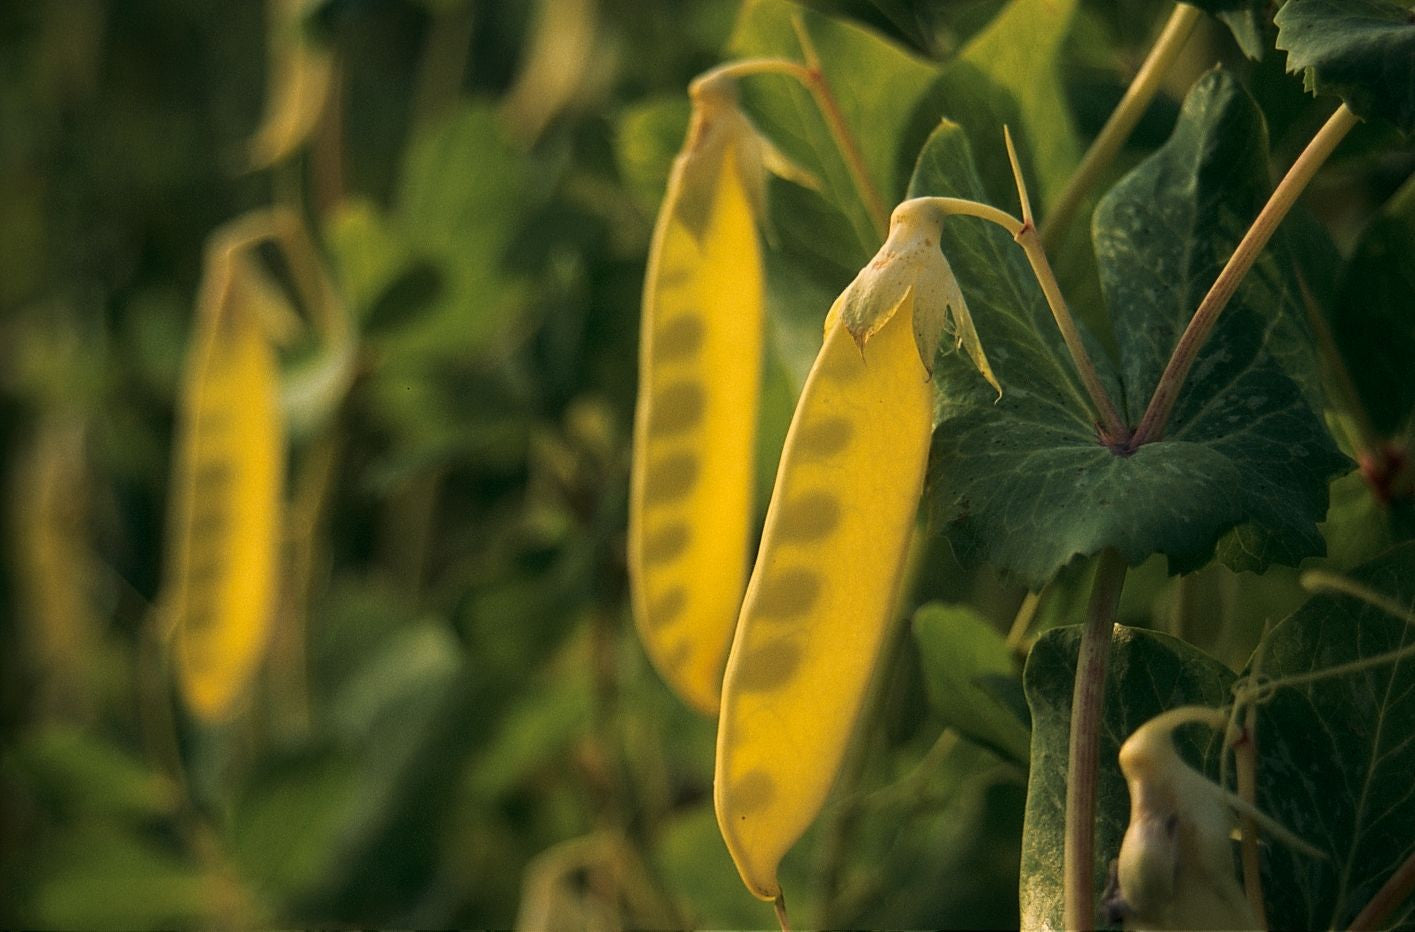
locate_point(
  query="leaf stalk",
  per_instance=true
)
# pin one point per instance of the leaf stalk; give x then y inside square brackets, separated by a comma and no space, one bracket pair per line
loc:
[1113,429]
[1283,198]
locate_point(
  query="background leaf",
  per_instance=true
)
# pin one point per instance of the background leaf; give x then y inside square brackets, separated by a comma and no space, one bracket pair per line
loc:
[967,668]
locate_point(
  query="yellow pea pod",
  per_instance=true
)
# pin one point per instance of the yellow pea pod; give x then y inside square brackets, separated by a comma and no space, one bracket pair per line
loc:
[825,582]
[827,578]
[691,483]
[226,515]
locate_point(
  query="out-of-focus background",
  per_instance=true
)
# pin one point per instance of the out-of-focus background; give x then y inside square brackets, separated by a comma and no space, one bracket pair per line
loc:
[453,725]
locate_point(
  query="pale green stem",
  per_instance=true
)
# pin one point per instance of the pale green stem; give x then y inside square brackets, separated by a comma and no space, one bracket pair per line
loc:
[813,79]
[1258,691]
[1025,234]
[779,904]
[1083,750]
[1321,581]
[1022,621]
[1202,323]
[1122,121]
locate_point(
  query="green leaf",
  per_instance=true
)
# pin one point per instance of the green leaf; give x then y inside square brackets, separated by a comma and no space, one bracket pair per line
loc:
[1149,673]
[1371,319]
[1008,74]
[1244,18]
[648,134]
[878,87]
[1363,51]
[291,823]
[87,774]
[1337,753]
[1178,217]
[965,663]
[1024,482]
[911,23]
[101,877]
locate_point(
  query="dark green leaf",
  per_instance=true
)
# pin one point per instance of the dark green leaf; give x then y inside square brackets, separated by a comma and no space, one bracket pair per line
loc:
[1372,319]
[961,653]
[1149,673]
[1363,51]
[1337,753]
[1025,482]
[1162,235]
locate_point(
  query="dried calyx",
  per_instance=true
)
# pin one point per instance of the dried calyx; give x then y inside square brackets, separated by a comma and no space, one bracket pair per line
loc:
[911,274]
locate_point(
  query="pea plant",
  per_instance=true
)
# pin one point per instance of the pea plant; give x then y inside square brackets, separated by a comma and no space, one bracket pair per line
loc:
[1072,370]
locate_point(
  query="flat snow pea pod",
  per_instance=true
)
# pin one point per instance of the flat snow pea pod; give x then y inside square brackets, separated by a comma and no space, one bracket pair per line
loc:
[827,577]
[691,486]
[226,518]
[825,582]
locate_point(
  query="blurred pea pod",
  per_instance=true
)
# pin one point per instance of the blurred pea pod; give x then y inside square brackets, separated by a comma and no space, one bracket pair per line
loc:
[226,524]
[691,488]
[300,73]
[828,575]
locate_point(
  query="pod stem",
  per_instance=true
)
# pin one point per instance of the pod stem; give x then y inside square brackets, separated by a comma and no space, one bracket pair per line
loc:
[1122,121]
[783,920]
[812,78]
[1283,198]
[1082,766]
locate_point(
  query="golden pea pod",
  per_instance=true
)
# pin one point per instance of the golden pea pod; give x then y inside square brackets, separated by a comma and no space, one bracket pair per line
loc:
[826,580]
[691,485]
[226,521]
[828,575]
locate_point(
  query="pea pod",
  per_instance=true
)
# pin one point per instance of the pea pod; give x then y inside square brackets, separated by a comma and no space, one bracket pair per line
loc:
[226,520]
[1175,866]
[827,577]
[691,487]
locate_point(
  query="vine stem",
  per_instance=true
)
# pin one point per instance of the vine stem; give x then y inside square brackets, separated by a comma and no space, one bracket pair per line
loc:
[1245,759]
[1082,766]
[1391,894]
[1249,248]
[1122,121]
[812,78]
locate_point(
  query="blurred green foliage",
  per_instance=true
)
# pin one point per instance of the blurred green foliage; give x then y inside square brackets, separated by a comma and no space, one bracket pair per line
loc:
[455,726]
